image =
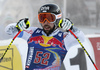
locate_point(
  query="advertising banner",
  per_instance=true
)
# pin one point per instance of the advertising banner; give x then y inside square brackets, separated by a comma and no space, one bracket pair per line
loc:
[95,41]
[12,59]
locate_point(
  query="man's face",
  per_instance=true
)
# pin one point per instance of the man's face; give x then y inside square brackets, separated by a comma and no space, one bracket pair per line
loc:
[47,27]
[47,21]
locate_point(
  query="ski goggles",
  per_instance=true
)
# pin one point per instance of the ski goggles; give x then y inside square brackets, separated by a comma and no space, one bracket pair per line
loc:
[50,17]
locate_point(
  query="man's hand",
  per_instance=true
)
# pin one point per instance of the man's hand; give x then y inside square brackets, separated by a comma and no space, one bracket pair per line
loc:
[65,24]
[23,24]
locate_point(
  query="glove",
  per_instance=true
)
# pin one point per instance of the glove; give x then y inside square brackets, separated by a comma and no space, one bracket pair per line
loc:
[65,24]
[23,24]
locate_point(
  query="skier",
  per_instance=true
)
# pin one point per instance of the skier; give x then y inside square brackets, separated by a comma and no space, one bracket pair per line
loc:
[48,46]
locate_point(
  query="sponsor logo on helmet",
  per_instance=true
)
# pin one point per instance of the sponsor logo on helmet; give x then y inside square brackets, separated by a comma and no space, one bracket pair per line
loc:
[45,8]
[57,10]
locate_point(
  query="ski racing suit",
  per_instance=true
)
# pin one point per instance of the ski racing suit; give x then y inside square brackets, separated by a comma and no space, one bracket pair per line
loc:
[48,52]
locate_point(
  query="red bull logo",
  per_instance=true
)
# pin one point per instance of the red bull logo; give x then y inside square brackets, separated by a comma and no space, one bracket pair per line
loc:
[55,42]
[37,39]
[46,41]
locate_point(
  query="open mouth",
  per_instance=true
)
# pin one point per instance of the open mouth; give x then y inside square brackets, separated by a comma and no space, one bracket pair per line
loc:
[46,27]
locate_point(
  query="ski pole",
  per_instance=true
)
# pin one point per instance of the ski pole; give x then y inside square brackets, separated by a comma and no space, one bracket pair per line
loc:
[21,21]
[10,45]
[83,48]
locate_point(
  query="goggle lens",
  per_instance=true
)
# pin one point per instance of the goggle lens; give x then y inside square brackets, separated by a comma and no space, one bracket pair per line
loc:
[46,16]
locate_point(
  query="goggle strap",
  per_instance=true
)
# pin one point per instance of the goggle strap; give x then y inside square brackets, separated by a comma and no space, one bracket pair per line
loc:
[59,16]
